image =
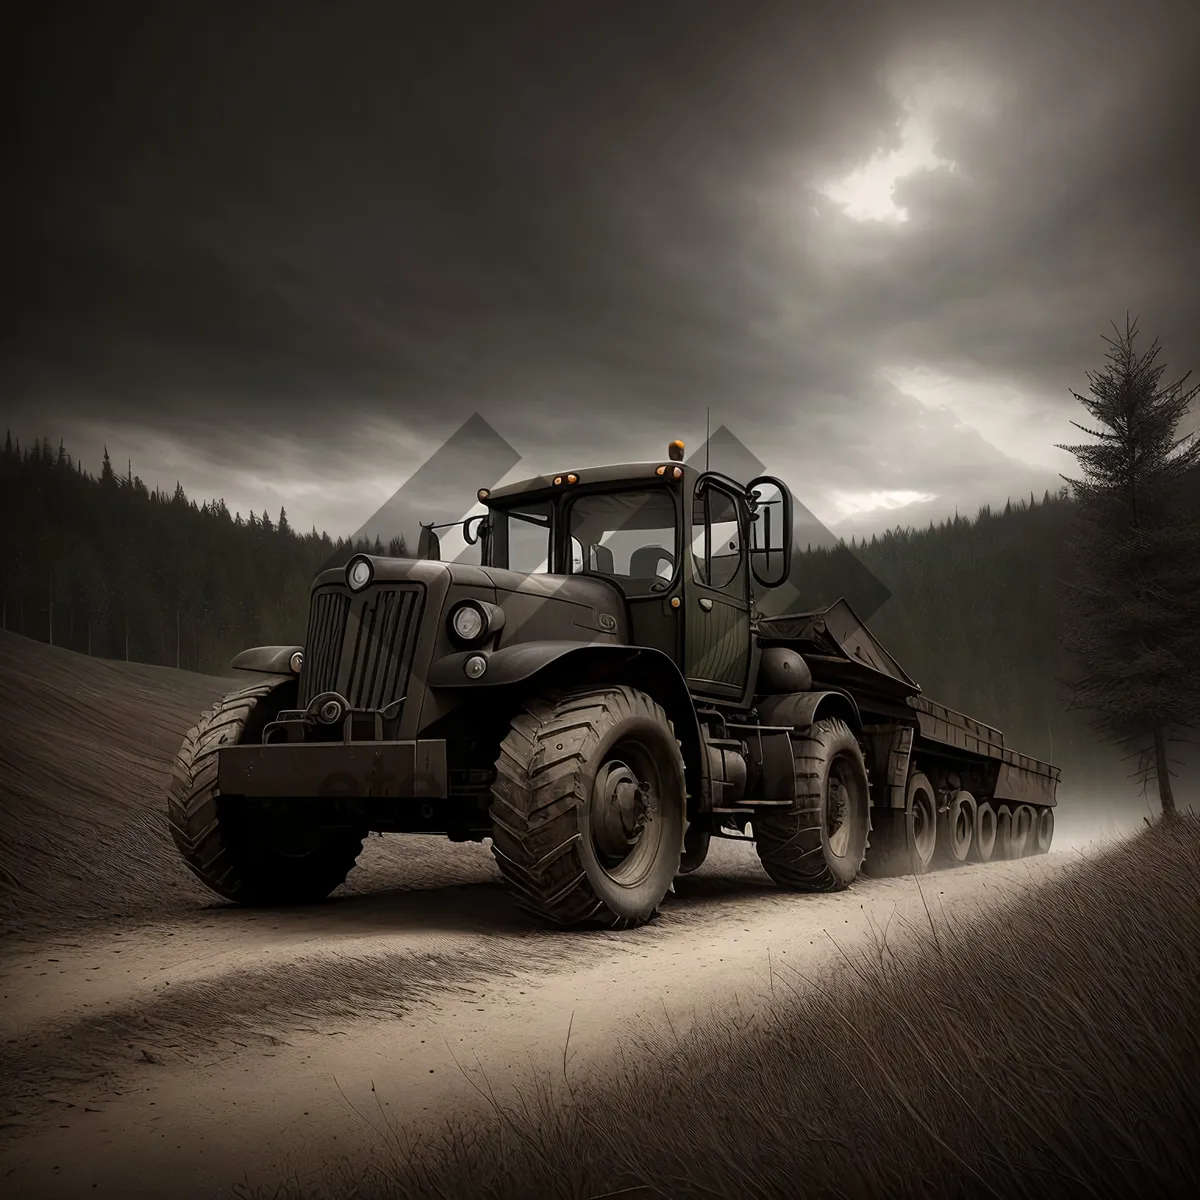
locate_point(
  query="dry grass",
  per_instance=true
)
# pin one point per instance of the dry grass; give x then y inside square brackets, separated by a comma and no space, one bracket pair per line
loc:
[1050,1048]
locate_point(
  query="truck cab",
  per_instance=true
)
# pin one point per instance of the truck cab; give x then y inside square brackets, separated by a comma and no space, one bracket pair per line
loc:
[686,550]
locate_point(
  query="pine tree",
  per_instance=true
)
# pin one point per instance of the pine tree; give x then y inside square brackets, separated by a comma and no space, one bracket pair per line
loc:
[107,477]
[1134,600]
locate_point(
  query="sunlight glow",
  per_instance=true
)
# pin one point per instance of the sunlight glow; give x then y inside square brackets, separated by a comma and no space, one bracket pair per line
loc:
[922,92]
[867,193]
[856,503]
[1024,427]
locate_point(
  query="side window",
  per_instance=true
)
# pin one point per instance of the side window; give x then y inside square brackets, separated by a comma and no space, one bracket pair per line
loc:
[529,539]
[717,547]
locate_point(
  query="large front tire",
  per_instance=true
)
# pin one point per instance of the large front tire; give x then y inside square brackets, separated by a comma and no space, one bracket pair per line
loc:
[588,808]
[818,844]
[233,845]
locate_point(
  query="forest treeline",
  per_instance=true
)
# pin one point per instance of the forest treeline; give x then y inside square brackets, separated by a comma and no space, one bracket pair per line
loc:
[103,565]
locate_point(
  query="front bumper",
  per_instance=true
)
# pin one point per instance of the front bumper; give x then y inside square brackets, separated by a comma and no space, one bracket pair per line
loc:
[398,770]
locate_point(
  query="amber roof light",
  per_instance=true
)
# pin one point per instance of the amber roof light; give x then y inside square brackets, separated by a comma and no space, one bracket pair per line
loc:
[675,451]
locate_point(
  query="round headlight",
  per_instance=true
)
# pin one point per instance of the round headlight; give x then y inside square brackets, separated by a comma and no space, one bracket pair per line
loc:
[467,622]
[360,573]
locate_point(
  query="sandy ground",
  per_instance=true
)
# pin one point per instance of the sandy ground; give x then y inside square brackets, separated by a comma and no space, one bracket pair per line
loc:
[233,1045]
[155,1042]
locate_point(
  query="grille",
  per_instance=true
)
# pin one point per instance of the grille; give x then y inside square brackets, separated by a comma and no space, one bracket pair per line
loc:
[323,647]
[362,646]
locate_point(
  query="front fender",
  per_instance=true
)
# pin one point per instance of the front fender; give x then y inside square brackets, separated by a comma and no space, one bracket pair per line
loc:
[799,710]
[512,664]
[267,660]
[577,664]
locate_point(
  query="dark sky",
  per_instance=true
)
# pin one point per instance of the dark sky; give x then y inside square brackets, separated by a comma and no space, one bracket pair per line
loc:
[282,252]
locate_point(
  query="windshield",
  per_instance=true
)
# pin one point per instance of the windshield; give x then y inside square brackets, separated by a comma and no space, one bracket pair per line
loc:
[628,536]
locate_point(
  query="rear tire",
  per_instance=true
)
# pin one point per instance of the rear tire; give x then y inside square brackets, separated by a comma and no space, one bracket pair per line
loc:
[983,845]
[820,843]
[696,844]
[231,844]
[588,808]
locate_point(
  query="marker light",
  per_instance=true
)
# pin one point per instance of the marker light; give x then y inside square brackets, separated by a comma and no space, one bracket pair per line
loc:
[675,451]
[297,661]
[475,666]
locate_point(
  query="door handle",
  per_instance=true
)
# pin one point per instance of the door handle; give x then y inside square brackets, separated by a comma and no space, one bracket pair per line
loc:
[706,604]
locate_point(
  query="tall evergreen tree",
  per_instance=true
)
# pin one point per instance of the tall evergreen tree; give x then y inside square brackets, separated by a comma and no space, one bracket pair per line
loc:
[1134,598]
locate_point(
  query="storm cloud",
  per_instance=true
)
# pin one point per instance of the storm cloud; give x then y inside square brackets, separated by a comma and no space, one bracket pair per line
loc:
[281,253]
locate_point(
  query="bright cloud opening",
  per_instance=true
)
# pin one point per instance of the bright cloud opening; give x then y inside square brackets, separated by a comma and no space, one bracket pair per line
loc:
[855,504]
[867,194]
[1023,426]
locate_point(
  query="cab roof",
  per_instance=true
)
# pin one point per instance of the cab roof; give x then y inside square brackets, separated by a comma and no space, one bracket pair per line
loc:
[560,481]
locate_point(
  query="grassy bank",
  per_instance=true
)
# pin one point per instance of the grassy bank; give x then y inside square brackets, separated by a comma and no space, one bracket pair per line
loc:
[1051,1048]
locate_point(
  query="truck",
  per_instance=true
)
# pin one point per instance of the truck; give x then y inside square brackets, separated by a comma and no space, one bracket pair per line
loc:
[614,683]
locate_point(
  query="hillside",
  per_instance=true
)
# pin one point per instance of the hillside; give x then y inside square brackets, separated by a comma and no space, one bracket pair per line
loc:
[85,750]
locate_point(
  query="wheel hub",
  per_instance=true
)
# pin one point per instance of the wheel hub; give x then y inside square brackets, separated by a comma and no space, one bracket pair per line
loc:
[619,807]
[837,827]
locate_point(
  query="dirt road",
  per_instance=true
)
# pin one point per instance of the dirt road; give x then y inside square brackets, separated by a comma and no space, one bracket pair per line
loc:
[228,1044]
[155,1042]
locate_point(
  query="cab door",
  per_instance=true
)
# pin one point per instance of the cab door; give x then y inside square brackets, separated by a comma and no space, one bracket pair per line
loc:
[717,633]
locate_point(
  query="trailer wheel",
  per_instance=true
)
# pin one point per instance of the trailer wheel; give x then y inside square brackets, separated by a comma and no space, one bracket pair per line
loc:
[1045,830]
[1024,831]
[588,808]
[983,845]
[819,844]
[1002,851]
[246,851]
[956,830]
[903,841]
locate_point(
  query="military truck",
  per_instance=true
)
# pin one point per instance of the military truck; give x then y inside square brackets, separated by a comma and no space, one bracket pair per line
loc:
[603,693]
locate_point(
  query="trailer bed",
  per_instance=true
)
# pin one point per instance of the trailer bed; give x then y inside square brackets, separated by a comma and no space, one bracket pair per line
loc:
[1021,779]
[844,653]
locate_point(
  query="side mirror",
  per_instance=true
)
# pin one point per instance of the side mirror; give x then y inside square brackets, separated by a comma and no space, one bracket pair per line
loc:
[770,530]
[471,536]
[428,545]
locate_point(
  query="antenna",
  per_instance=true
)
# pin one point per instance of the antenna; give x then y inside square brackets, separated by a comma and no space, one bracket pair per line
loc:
[707,435]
